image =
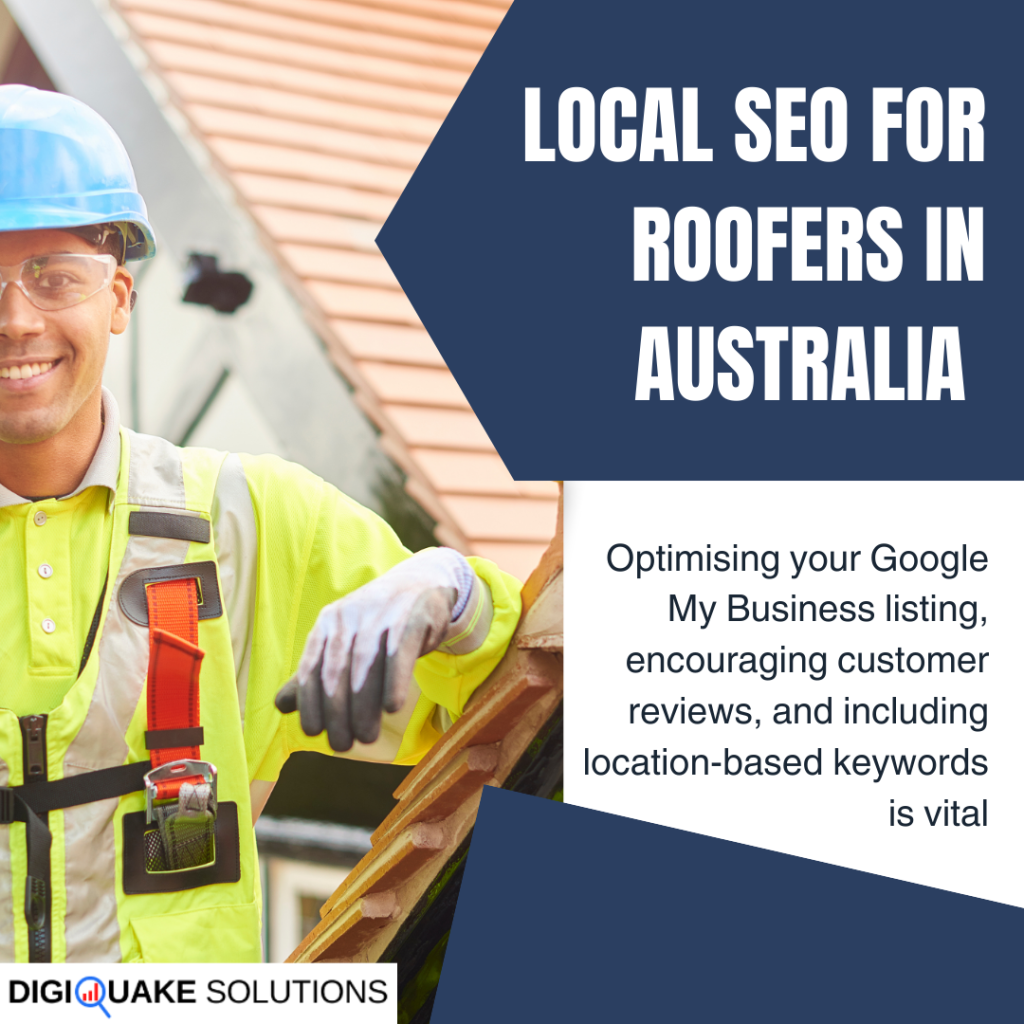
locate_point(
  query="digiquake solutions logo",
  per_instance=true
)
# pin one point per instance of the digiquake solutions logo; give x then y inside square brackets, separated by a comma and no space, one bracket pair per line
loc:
[89,992]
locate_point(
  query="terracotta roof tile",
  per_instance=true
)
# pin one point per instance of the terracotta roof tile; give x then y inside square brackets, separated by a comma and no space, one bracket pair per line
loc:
[387,16]
[522,519]
[312,109]
[395,42]
[414,385]
[297,163]
[441,428]
[236,124]
[317,228]
[354,62]
[306,195]
[363,303]
[188,57]
[328,264]
[318,111]
[487,13]
[388,343]
[518,559]
[461,472]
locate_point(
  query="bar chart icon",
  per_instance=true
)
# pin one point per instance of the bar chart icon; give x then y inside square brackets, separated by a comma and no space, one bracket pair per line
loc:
[91,992]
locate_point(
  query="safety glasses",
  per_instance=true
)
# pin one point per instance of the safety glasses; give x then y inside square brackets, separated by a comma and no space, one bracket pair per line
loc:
[60,280]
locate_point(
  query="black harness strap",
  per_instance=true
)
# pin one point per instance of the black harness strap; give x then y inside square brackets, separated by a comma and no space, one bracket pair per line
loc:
[14,807]
[37,882]
[93,627]
[31,804]
[86,788]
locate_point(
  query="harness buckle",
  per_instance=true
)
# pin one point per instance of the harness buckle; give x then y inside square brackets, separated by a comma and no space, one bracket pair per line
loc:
[181,816]
[6,806]
[159,781]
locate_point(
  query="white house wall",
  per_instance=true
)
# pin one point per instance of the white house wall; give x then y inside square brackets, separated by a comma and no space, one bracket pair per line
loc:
[163,369]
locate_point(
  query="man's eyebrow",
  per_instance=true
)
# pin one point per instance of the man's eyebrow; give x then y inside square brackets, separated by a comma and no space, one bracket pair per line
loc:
[48,253]
[53,252]
[42,255]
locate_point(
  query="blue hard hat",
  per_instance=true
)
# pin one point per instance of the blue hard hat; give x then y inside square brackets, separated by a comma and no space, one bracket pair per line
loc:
[63,166]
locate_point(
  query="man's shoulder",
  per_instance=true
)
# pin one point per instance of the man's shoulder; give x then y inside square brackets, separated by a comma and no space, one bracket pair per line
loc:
[285,496]
[268,476]
[286,490]
[271,471]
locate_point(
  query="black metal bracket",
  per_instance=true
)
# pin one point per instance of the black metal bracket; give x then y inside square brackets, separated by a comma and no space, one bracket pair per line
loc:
[132,595]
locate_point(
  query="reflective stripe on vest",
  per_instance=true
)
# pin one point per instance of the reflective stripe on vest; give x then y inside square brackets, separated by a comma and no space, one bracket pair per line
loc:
[6,900]
[102,722]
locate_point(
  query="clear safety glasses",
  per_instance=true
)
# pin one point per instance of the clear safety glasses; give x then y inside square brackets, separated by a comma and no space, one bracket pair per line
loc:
[60,280]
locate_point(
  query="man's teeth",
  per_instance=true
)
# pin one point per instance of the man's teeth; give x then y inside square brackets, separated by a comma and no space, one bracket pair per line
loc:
[24,372]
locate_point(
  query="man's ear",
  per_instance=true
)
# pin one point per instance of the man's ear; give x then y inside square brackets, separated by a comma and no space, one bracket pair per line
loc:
[121,307]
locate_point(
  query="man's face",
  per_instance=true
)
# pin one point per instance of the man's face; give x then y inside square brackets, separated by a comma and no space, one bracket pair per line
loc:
[65,349]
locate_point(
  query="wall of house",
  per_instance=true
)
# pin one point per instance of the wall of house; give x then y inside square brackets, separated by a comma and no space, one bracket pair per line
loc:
[173,373]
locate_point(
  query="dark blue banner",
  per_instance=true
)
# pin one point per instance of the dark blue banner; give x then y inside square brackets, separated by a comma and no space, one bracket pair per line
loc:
[567,914]
[660,240]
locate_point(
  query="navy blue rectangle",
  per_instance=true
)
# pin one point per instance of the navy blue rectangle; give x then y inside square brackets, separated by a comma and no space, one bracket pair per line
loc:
[568,914]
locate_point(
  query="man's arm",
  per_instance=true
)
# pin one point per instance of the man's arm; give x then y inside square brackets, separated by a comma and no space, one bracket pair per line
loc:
[317,546]
[449,676]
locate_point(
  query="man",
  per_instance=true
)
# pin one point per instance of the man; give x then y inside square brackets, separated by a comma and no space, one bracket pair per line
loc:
[154,600]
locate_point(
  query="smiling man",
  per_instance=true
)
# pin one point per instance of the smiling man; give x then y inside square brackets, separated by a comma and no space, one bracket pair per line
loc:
[155,599]
[55,345]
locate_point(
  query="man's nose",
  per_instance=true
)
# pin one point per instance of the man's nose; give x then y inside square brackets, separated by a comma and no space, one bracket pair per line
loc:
[19,319]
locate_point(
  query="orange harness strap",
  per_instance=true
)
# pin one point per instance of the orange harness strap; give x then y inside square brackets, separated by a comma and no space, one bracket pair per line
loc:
[172,691]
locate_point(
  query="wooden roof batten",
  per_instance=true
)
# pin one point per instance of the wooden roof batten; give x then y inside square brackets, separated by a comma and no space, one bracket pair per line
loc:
[416,846]
[316,113]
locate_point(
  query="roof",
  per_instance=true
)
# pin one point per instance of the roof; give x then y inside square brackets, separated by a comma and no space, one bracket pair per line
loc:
[317,112]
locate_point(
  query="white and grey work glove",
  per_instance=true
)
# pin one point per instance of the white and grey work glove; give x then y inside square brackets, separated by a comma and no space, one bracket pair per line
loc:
[359,656]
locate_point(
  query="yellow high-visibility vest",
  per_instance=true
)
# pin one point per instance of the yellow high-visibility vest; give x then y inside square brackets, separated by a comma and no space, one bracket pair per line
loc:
[103,905]
[101,724]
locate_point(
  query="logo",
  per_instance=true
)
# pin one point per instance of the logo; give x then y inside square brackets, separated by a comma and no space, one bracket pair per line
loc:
[244,994]
[91,992]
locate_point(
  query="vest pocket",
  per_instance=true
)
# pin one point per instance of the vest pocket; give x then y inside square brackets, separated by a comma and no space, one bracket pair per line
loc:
[223,935]
[225,868]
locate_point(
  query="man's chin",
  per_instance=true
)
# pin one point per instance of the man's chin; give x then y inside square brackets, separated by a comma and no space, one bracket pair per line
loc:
[28,428]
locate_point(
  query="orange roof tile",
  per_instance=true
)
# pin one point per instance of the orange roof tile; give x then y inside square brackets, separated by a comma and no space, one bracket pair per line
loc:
[389,343]
[302,195]
[440,428]
[183,57]
[318,112]
[247,96]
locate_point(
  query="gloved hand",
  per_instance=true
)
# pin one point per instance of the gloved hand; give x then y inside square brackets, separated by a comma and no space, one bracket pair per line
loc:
[359,656]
